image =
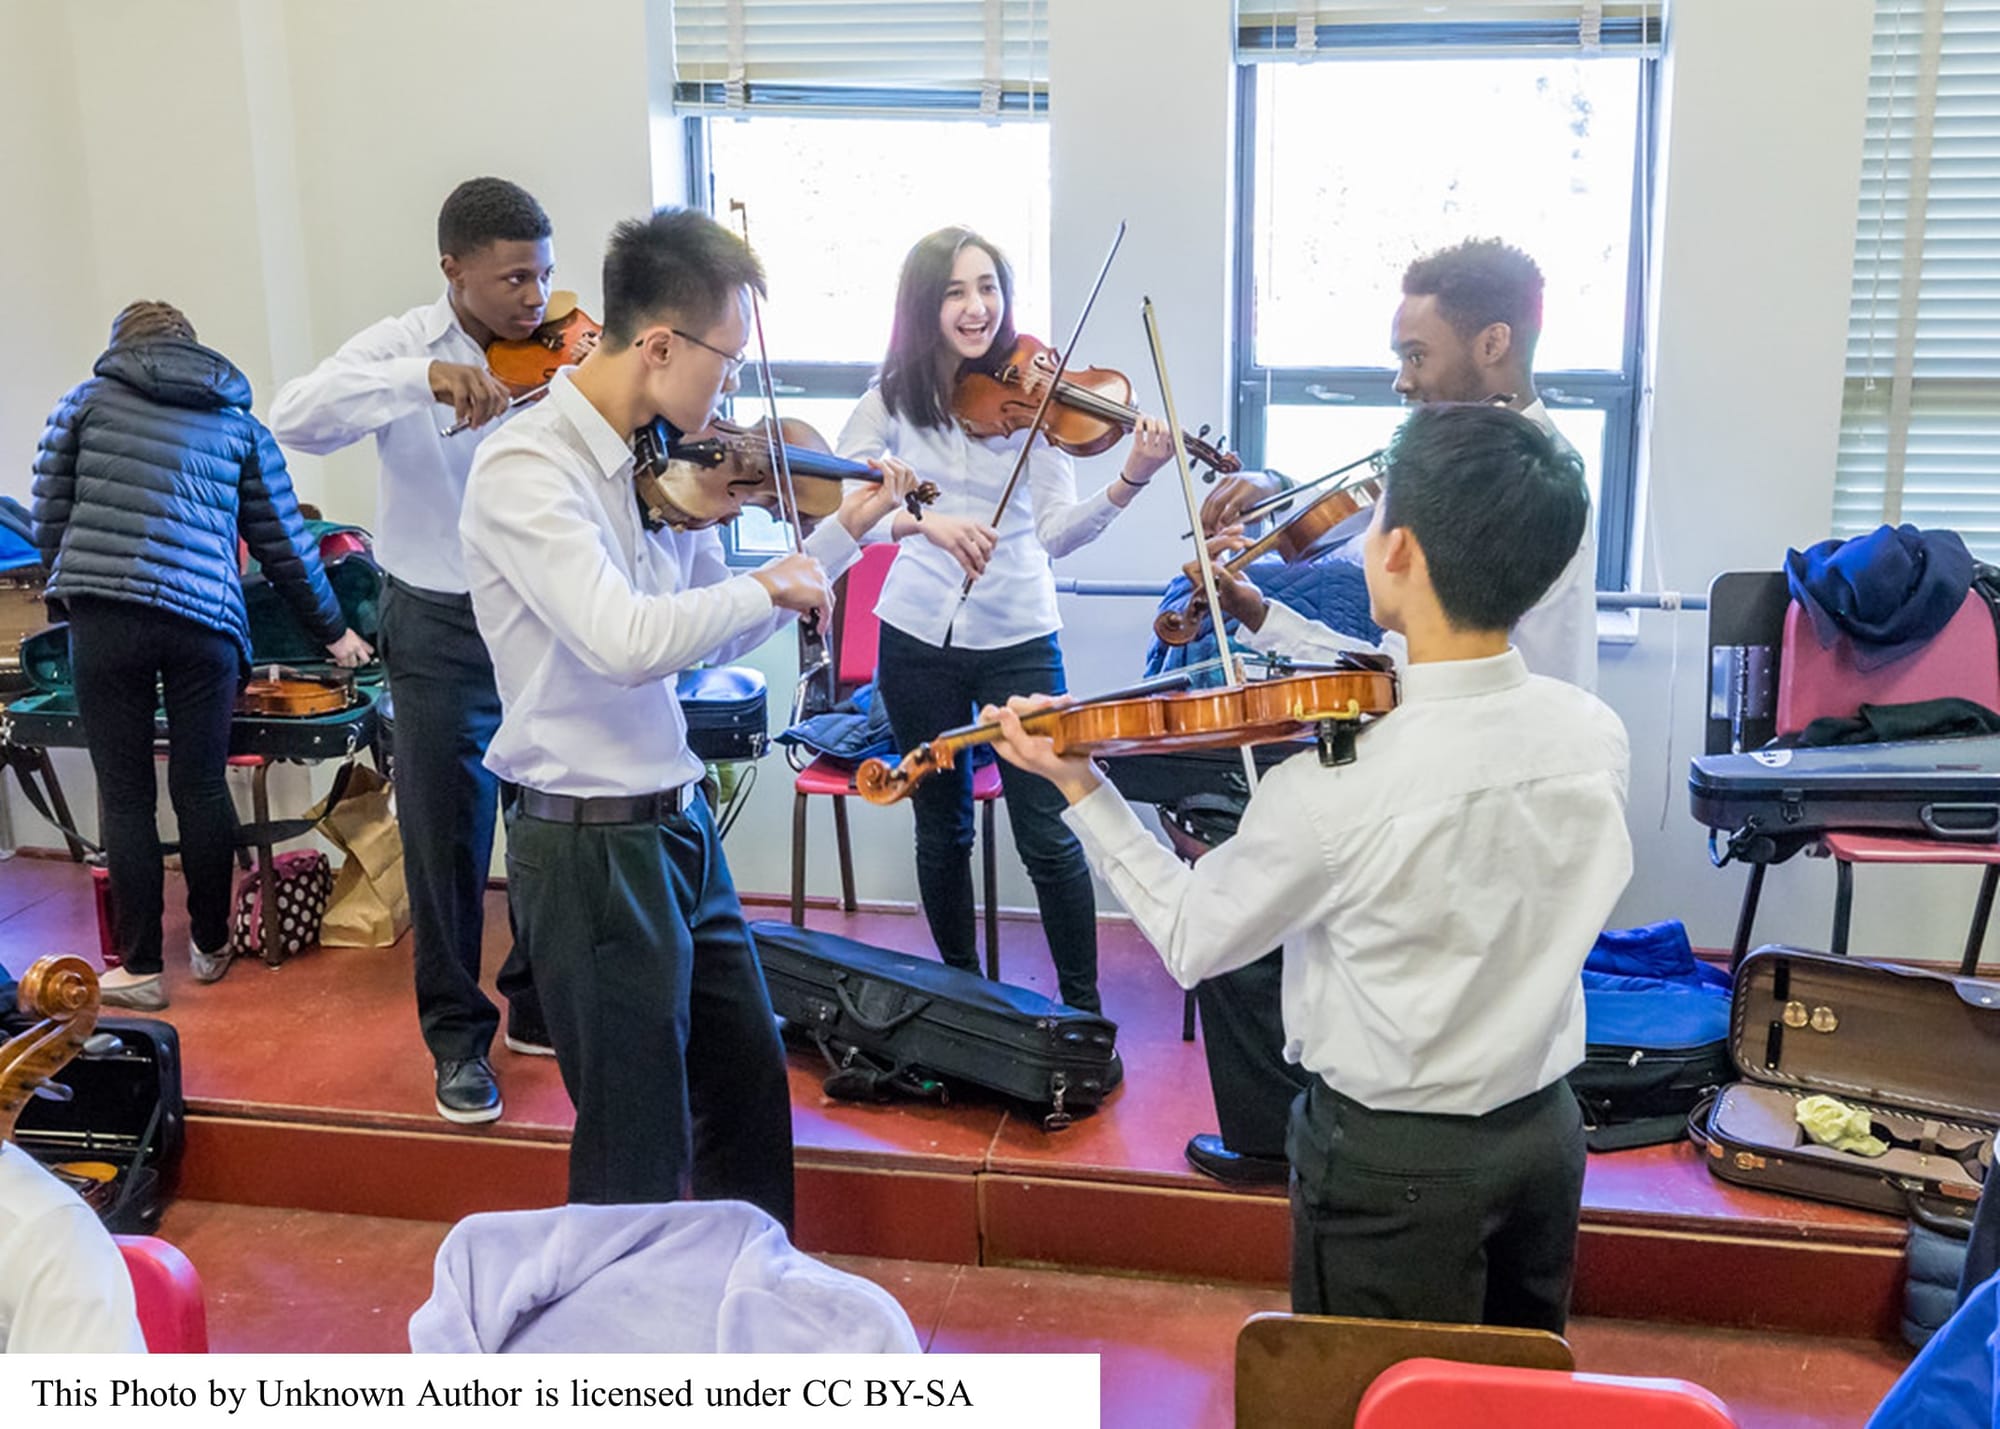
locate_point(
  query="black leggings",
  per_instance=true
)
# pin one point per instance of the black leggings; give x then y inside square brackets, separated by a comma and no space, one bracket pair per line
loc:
[126,657]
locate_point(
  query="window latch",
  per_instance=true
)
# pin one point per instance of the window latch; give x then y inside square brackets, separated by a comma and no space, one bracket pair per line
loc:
[1552,394]
[1328,394]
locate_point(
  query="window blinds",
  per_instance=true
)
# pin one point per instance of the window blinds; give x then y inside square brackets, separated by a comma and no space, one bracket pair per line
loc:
[1920,424]
[1274,30]
[887,56]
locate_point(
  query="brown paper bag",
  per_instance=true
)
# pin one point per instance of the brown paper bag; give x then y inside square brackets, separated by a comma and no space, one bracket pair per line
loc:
[370,907]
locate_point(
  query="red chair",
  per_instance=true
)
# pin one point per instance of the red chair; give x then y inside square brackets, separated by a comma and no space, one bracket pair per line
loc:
[1427,1393]
[855,643]
[172,1313]
[1814,681]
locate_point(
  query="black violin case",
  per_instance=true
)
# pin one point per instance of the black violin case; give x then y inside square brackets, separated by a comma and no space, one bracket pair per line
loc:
[125,1110]
[888,1024]
[724,708]
[1919,1050]
[1924,788]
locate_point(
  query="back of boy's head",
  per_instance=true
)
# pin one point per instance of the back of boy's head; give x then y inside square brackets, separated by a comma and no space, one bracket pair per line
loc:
[488,210]
[150,322]
[1497,506]
[680,265]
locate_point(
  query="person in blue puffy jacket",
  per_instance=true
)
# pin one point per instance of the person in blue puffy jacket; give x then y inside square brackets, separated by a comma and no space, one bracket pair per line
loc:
[146,476]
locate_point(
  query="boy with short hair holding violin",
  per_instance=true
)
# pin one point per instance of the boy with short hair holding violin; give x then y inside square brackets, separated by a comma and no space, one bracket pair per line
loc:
[622,897]
[404,381]
[1435,897]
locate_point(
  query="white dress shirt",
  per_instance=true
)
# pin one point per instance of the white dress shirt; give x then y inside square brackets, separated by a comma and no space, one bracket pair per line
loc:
[379,385]
[1435,898]
[1557,637]
[588,615]
[1015,600]
[64,1288]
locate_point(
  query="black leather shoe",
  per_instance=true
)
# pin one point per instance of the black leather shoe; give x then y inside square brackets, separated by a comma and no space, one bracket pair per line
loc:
[1208,1155]
[467,1092]
[527,1034]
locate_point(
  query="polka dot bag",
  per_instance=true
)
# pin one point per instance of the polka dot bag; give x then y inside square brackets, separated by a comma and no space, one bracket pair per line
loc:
[305,883]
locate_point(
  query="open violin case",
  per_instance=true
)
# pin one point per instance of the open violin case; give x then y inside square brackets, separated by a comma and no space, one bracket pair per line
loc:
[1919,1050]
[119,1134]
[46,715]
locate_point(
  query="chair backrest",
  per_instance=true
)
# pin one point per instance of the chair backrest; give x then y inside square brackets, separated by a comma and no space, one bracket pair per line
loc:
[1314,1369]
[172,1313]
[1962,660]
[857,634]
[1424,1393]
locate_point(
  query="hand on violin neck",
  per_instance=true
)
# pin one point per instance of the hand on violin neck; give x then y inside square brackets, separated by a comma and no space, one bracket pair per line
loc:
[350,650]
[1241,600]
[1075,774]
[866,503]
[797,583]
[474,395]
[1152,448]
[1233,495]
[966,541]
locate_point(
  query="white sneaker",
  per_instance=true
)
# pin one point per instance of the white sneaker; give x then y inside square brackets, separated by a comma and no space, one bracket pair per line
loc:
[139,993]
[209,967]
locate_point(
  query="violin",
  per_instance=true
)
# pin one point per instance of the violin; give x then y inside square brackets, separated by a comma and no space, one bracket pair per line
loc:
[525,366]
[61,991]
[1328,703]
[710,480]
[1091,411]
[281,690]
[1293,539]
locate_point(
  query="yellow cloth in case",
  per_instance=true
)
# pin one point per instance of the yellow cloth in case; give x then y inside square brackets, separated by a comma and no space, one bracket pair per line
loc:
[1834,1123]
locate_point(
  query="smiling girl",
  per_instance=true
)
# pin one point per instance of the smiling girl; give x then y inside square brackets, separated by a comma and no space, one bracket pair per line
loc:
[943,655]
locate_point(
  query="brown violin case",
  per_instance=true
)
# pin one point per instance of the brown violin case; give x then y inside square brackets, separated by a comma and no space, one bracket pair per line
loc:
[1919,1050]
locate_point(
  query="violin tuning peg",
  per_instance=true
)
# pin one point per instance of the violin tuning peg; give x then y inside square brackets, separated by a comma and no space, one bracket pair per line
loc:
[1202,430]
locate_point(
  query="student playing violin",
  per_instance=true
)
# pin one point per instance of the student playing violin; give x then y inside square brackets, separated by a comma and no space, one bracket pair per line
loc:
[944,654]
[394,381]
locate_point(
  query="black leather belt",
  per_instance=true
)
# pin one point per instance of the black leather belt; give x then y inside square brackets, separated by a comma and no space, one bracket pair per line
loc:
[608,808]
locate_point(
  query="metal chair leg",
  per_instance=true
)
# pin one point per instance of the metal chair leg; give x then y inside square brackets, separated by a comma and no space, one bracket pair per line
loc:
[1752,891]
[798,860]
[989,859]
[1982,911]
[1188,1006]
[1843,904]
[846,846]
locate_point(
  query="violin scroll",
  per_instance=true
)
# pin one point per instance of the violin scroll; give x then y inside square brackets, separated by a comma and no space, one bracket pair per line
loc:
[61,991]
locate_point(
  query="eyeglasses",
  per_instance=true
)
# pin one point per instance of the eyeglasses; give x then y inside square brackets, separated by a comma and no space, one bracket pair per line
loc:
[731,363]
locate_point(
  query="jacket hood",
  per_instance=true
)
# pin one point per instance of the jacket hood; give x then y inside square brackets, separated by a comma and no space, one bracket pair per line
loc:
[177,372]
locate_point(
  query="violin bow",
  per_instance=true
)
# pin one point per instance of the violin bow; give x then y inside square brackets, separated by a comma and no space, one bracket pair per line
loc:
[1049,392]
[1232,662]
[781,464]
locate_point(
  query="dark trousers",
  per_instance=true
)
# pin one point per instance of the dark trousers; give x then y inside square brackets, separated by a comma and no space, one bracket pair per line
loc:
[1461,1219]
[1243,1036]
[441,683]
[1982,1251]
[928,690]
[127,657]
[657,1008]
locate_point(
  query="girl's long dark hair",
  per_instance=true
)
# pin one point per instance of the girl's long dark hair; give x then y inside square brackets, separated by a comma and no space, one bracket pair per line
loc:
[909,379]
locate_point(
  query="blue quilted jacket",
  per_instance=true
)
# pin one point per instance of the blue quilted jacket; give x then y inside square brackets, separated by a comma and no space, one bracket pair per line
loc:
[145,476]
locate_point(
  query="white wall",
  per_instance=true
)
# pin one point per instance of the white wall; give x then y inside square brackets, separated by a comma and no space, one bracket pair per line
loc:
[290,200]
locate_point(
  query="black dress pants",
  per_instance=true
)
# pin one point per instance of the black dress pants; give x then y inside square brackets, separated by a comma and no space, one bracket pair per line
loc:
[447,709]
[929,689]
[1243,1037]
[1460,1219]
[657,1007]
[127,658]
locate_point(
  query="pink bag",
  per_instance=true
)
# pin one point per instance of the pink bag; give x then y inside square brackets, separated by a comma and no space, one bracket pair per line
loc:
[304,883]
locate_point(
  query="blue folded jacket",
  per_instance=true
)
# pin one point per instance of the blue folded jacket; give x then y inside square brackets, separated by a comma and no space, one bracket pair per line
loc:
[1887,592]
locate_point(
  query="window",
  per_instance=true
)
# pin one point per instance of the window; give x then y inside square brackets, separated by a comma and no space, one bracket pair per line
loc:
[834,204]
[1920,423]
[1351,168]
[849,129]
